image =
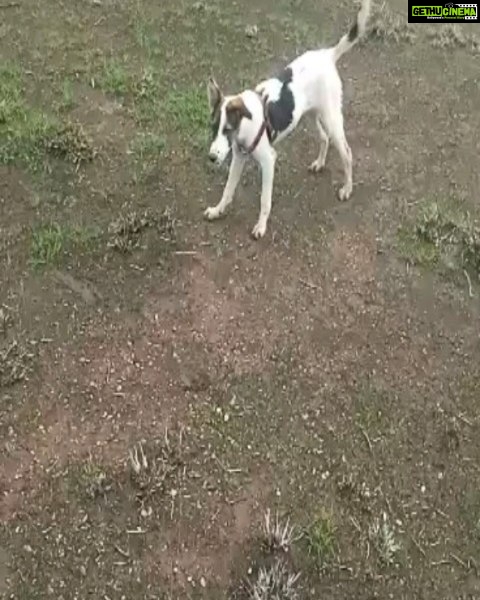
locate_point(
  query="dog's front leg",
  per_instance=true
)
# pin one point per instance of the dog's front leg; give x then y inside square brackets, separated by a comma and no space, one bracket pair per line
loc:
[267,164]
[234,175]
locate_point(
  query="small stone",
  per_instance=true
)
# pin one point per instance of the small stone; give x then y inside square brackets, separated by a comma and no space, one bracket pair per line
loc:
[251,31]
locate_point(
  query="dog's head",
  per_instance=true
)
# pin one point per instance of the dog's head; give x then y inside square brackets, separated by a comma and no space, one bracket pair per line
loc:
[226,114]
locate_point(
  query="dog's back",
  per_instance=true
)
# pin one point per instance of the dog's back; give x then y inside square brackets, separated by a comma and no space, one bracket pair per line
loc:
[309,82]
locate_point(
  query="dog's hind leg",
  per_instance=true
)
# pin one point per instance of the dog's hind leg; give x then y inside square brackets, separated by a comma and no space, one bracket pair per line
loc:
[318,164]
[333,122]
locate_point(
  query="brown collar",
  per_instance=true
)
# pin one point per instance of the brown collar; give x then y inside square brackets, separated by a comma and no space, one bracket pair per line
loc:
[264,127]
[258,137]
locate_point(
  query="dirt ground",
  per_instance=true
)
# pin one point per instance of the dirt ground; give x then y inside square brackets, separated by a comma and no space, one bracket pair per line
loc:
[165,381]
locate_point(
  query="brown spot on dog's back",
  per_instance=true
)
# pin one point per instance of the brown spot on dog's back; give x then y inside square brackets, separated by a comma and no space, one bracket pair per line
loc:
[236,111]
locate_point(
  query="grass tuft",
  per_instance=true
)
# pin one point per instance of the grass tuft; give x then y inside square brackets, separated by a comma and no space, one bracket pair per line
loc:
[450,35]
[382,536]
[114,78]
[15,364]
[277,536]
[23,130]
[320,539]
[145,34]
[189,113]
[5,320]
[390,26]
[146,92]
[442,235]
[126,230]
[50,242]
[148,145]
[275,583]
[47,245]
[71,143]
[89,479]
[155,466]
[371,403]
[68,101]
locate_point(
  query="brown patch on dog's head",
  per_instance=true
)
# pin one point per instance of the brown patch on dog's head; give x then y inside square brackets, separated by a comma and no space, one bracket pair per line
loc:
[236,111]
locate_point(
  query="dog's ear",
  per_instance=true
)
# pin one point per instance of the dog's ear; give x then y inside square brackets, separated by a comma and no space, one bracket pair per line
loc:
[214,93]
[236,111]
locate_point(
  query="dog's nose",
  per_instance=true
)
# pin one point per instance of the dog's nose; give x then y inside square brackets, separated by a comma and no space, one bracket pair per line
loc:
[212,157]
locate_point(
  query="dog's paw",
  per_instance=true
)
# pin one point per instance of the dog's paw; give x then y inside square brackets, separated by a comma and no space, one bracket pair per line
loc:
[316,166]
[211,213]
[259,230]
[344,193]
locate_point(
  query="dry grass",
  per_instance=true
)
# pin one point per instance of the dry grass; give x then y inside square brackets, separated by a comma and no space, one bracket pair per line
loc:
[5,320]
[126,230]
[275,583]
[15,364]
[278,536]
[154,466]
[390,26]
[71,143]
[383,537]
[450,35]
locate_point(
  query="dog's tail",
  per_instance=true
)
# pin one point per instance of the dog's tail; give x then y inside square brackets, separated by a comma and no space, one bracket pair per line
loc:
[356,31]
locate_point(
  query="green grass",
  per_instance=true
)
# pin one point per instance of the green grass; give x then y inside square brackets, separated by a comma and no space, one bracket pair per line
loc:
[67,102]
[188,111]
[442,234]
[88,479]
[148,145]
[371,402]
[145,35]
[50,242]
[23,130]
[320,539]
[114,78]
[416,250]
[147,106]
[146,150]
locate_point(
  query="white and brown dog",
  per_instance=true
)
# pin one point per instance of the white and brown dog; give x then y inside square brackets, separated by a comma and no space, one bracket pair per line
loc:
[252,122]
